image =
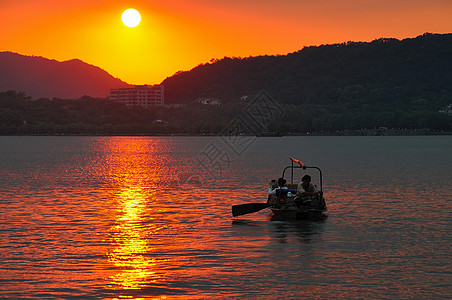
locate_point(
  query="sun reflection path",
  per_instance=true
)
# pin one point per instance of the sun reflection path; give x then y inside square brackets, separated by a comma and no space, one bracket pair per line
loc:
[131,244]
[152,207]
[134,179]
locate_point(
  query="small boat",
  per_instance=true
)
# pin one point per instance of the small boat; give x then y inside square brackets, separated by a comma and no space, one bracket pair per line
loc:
[284,203]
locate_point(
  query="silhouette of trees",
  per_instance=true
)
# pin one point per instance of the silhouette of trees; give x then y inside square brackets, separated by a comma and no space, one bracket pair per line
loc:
[383,71]
[386,83]
[19,115]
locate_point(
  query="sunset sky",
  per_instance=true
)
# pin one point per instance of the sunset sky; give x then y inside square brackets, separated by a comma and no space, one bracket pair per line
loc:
[179,34]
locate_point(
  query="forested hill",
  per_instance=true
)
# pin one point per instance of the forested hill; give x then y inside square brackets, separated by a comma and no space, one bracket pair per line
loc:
[39,77]
[387,84]
[387,71]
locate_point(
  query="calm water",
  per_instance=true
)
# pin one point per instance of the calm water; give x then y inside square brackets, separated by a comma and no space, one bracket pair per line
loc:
[139,217]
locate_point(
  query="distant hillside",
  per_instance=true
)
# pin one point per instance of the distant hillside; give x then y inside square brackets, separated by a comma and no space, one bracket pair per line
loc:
[39,77]
[386,71]
[383,87]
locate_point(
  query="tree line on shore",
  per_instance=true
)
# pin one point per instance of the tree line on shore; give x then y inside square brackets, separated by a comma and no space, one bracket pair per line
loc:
[21,115]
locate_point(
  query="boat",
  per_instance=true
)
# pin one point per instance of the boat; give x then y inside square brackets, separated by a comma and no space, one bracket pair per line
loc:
[283,201]
[285,205]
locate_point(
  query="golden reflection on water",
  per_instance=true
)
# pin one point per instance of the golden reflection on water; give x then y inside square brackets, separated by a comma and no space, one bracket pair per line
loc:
[131,244]
[111,229]
[134,175]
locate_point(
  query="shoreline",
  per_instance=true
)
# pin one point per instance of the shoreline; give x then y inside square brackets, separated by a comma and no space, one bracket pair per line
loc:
[362,132]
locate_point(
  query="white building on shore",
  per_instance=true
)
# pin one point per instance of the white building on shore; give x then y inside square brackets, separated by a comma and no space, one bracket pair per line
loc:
[141,95]
[446,109]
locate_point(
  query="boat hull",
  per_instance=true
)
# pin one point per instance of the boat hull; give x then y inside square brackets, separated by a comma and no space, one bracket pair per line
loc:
[298,214]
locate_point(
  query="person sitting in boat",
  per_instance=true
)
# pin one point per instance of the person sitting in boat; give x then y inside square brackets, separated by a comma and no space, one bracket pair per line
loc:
[278,193]
[306,193]
[281,186]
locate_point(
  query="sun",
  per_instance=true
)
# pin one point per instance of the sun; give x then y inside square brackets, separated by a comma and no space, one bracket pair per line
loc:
[131,17]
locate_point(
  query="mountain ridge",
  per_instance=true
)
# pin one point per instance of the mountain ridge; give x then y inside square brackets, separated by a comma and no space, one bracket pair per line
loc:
[384,70]
[40,77]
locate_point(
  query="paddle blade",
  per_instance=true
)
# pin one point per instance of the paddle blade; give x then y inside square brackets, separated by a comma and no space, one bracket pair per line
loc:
[247,208]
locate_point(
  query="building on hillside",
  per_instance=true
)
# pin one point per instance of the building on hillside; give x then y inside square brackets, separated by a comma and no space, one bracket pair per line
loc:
[141,95]
[446,109]
[209,101]
[173,105]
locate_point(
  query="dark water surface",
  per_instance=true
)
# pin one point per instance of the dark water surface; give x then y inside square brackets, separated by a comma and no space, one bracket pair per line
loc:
[149,218]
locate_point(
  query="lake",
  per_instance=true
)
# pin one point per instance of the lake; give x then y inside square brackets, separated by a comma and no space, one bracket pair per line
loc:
[150,218]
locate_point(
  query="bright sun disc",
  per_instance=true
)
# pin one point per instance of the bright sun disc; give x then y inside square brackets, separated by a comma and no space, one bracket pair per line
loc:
[131,17]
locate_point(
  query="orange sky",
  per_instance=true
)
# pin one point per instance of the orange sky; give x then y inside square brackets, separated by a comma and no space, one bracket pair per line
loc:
[178,35]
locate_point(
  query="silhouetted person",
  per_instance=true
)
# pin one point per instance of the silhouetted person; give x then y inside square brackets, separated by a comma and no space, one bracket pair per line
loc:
[307,193]
[281,186]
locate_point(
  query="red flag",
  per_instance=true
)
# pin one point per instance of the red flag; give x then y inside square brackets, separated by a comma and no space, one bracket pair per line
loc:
[297,161]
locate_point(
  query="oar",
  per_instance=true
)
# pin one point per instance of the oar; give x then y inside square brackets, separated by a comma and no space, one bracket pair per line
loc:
[247,208]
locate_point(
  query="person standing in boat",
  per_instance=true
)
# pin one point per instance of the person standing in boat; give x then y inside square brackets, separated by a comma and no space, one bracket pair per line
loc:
[307,193]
